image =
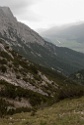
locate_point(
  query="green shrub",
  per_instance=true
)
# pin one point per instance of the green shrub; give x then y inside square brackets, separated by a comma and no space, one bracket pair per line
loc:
[3,61]
[11,91]
[3,69]
[5,55]
[18,76]
[25,79]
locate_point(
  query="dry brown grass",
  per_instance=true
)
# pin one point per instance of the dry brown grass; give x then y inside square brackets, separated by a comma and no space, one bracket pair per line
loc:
[66,112]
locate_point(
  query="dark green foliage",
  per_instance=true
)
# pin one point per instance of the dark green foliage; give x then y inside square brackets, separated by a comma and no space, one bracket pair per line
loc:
[32,82]
[11,91]
[71,92]
[66,91]
[18,61]
[3,61]
[33,112]
[22,109]
[4,105]
[33,69]
[25,79]
[5,55]
[3,69]
[78,77]
[7,109]
[17,76]
[37,77]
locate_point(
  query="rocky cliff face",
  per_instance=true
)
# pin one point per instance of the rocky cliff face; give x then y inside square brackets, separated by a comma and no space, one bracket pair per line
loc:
[18,71]
[11,28]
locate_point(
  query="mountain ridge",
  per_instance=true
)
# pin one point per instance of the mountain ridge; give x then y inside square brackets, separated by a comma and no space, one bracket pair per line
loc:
[31,45]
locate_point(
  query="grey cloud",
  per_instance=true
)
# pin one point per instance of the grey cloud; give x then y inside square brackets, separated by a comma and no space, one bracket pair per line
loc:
[17,2]
[21,8]
[18,5]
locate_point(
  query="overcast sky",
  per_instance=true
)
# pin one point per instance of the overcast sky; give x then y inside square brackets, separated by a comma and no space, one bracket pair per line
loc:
[43,14]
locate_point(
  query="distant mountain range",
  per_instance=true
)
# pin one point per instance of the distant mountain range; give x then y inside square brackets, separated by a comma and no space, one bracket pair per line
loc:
[32,46]
[71,36]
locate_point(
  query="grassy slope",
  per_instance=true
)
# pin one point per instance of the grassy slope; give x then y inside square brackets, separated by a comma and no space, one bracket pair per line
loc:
[66,112]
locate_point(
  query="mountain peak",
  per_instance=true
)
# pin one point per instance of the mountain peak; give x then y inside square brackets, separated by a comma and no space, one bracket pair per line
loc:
[7,11]
[12,28]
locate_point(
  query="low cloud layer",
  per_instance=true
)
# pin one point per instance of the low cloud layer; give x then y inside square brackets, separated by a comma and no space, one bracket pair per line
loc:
[21,8]
[43,14]
[17,5]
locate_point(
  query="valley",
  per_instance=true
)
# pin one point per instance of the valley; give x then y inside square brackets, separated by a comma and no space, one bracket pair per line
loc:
[70,36]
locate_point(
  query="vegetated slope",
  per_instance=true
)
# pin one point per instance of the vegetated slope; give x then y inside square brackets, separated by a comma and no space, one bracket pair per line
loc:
[70,36]
[66,112]
[32,46]
[78,77]
[24,85]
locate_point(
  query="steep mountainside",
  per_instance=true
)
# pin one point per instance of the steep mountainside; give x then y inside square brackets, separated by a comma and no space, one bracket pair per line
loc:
[24,85]
[67,36]
[20,72]
[29,44]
